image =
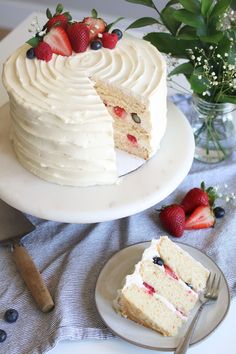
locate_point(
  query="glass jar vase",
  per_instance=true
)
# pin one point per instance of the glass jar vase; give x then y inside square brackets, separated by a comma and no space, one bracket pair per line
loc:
[214,127]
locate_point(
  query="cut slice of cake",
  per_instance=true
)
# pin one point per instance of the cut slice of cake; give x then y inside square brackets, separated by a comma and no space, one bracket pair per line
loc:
[163,288]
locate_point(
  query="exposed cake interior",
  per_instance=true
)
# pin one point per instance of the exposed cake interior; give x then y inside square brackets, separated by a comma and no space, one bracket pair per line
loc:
[156,294]
[134,130]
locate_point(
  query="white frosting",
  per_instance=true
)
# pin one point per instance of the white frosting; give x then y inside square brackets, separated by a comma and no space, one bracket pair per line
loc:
[151,251]
[62,131]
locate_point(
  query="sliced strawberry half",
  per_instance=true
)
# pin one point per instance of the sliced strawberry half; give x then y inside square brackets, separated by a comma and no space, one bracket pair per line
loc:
[149,288]
[95,26]
[132,139]
[201,218]
[119,112]
[170,272]
[58,40]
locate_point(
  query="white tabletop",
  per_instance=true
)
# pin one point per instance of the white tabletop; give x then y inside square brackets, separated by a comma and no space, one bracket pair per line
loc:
[221,341]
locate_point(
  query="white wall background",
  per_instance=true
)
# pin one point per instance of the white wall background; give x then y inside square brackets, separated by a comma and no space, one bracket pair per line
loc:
[13,12]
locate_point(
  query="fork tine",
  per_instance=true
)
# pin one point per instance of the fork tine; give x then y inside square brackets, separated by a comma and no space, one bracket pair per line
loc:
[212,284]
[217,289]
[208,282]
[218,284]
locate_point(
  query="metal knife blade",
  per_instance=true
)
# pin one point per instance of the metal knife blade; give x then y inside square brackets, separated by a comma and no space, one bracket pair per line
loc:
[13,224]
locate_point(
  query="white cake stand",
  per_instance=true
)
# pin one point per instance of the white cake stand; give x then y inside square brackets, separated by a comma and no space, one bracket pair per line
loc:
[135,192]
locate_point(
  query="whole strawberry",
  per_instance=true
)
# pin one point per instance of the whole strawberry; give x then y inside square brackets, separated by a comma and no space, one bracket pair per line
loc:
[172,218]
[58,19]
[193,199]
[198,197]
[78,34]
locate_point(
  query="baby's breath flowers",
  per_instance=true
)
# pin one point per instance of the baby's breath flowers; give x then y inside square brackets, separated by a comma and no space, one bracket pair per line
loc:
[216,74]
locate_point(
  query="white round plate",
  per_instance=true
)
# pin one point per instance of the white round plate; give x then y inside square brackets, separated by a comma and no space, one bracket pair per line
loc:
[110,280]
[135,192]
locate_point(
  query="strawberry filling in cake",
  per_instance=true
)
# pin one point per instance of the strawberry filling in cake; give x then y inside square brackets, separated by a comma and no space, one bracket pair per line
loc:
[130,131]
[163,289]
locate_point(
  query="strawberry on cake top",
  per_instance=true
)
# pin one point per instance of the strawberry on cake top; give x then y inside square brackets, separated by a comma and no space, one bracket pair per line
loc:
[77,90]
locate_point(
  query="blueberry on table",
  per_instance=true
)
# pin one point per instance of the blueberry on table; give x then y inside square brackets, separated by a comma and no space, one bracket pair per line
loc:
[219,212]
[30,53]
[11,315]
[158,260]
[118,32]
[96,44]
[3,335]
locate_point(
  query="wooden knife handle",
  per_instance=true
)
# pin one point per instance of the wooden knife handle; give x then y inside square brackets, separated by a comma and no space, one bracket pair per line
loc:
[32,278]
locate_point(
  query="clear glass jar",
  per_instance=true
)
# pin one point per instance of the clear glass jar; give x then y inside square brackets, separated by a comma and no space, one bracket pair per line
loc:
[214,127]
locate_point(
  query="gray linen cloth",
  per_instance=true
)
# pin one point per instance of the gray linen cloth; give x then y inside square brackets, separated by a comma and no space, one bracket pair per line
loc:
[70,257]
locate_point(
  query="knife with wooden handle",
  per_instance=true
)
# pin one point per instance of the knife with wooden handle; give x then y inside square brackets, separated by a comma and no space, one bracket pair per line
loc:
[32,278]
[13,227]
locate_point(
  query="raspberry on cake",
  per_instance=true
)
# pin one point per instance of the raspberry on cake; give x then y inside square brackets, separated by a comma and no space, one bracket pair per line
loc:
[70,109]
[163,288]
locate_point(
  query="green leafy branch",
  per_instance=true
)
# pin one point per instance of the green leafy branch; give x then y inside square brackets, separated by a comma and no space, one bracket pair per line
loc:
[190,30]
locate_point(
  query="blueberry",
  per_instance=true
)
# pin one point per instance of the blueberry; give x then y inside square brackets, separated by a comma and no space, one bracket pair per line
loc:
[3,335]
[219,212]
[189,285]
[30,53]
[96,44]
[158,260]
[136,118]
[118,32]
[11,315]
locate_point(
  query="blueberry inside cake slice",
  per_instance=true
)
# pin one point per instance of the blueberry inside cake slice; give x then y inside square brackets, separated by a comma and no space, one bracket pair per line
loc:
[163,288]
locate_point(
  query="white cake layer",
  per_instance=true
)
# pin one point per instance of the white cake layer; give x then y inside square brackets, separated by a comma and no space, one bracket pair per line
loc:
[149,310]
[184,265]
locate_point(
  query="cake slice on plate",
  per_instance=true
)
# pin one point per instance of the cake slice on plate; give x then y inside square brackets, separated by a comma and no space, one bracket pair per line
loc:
[163,288]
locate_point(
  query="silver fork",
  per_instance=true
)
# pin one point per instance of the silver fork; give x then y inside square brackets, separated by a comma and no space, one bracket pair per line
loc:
[208,296]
